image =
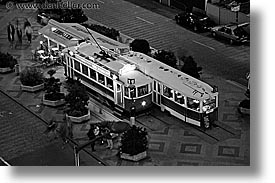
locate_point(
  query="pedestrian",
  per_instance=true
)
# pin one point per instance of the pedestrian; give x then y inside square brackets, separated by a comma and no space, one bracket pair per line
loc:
[19,36]
[91,135]
[109,140]
[27,23]
[28,32]
[61,129]
[11,32]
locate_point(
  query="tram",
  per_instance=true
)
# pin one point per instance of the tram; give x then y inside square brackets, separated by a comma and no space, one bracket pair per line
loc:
[132,80]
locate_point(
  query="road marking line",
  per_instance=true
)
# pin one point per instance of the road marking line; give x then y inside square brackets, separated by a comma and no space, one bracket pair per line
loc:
[145,20]
[4,161]
[100,1]
[237,84]
[204,45]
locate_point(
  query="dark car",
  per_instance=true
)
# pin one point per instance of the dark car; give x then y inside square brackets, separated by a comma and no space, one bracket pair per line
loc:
[235,33]
[194,20]
[61,15]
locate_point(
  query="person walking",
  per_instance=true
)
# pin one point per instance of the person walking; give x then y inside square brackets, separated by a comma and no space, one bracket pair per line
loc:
[28,32]
[91,135]
[11,32]
[19,37]
[109,140]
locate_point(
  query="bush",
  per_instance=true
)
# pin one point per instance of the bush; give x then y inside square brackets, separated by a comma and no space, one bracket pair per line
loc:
[108,32]
[52,87]
[166,57]
[31,77]
[134,141]
[77,99]
[7,60]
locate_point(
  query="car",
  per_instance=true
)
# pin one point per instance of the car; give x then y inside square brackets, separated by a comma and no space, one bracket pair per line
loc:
[194,20]
[235,33]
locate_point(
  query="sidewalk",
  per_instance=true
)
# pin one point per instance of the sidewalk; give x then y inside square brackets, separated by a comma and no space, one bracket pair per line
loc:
[171,143]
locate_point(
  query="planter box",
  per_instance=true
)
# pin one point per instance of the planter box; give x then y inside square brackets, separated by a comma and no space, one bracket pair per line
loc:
[32,88]
[5,69]
[136,157]
[53,103]
[79,119]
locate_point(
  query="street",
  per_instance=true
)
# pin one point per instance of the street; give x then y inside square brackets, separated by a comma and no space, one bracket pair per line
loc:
[219,58]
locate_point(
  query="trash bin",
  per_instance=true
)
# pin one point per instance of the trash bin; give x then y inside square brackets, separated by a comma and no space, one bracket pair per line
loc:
[16,69]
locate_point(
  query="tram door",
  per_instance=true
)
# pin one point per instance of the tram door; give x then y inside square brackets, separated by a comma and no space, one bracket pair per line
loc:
[119,95]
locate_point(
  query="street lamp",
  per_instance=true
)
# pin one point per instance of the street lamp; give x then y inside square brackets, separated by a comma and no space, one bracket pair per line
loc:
[133,108]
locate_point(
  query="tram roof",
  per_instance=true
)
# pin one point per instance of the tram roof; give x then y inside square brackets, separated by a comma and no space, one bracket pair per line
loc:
[89,49]
[73,32]
[171,77]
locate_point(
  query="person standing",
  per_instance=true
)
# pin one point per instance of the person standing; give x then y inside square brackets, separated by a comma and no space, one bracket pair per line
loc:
[11,32]
[91,135]
[109,140]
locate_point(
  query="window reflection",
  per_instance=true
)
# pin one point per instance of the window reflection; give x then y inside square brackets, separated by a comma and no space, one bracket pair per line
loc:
[193,104]
[101,79]
[167,92]
[143,90]
[179,98]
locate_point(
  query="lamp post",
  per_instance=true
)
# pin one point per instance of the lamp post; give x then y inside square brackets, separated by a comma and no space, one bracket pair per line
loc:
[133,108]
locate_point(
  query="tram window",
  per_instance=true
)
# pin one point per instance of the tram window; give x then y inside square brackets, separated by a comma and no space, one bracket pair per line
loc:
[85,70]
[101,79]
[155,85]
[126,89]
[158,87]
[133,93]
[93,74]
[76,65]
[209,104]
[110,83]
[167,92]
[71,62]
[193,104]
[118,88]
[179,98]
[142,90]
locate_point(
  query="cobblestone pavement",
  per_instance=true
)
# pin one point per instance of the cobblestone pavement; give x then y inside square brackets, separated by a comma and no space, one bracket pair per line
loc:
[171,141]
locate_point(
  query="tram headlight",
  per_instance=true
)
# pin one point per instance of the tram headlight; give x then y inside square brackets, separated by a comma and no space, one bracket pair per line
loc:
[143,103]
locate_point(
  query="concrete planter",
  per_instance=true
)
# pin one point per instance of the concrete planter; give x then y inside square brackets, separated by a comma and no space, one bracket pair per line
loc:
[53,103]
[136,157]
[79,119]
[32,88]
[5,70]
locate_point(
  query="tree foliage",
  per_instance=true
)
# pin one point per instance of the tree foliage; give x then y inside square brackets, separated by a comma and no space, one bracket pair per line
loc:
[166,57]
[134,141]
[140,45]
[7,60]
[190,67]
[106,31]
[31,76]
[77,99]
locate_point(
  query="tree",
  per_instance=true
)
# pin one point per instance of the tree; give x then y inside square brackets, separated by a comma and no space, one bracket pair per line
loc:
[52,87]
[166,57]
[134,141]
[190,67]
[140,45]
[77,99]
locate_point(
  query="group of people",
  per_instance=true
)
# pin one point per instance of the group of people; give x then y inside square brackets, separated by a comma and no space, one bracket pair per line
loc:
[96,131]
[12,30]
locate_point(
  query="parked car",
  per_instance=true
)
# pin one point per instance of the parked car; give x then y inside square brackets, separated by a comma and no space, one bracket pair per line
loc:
[61,15]
[235,33]
[194,20]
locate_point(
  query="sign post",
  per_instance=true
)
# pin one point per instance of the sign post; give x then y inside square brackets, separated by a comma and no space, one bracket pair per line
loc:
[236,9]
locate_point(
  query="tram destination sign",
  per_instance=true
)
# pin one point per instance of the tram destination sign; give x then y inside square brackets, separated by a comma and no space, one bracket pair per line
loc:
[131,81]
